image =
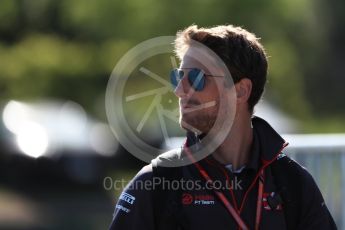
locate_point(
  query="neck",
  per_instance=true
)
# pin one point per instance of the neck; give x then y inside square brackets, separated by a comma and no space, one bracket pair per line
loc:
[236,147]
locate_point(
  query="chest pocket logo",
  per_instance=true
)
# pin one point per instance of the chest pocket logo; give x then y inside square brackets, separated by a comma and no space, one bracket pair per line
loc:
[272,201]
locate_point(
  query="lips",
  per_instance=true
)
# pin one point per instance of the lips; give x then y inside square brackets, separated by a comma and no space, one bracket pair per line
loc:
[188,106]
[185,108]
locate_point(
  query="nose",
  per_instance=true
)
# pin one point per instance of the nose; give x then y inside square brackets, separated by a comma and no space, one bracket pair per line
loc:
[182,88]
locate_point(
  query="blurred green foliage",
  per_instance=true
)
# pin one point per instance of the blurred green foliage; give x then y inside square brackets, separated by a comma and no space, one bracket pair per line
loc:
[68,48]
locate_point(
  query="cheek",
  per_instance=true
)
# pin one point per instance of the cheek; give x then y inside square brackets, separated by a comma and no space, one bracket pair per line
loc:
[211,91]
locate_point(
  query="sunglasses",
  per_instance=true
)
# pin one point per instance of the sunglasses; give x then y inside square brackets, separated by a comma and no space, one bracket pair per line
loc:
[196,77]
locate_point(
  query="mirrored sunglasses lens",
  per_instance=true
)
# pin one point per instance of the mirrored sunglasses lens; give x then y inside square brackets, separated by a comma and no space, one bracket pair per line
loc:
[174,77]
[196,79]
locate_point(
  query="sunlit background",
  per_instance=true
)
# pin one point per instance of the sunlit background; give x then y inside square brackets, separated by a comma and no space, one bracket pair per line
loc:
[56,57]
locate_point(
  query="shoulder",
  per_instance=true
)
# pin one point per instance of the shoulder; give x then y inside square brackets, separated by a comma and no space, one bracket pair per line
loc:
[133,209]
[304,201]
[168,159]
[145,173]
[295,180]
[157,165]
[290,168]
[138,185]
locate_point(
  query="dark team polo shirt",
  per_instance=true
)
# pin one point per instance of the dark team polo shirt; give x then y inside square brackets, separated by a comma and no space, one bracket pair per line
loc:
[238,181]
[245,174]
[199,207]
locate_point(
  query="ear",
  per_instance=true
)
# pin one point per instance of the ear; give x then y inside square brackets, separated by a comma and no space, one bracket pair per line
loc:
[243,90]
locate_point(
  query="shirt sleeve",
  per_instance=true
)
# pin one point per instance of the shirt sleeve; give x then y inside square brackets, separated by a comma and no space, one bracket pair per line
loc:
[134,209]
[315,214]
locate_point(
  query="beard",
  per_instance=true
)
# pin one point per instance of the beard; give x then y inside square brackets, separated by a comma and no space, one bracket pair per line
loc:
[200,121]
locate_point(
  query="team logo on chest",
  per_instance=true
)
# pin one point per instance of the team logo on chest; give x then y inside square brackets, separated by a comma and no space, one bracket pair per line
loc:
[197,199]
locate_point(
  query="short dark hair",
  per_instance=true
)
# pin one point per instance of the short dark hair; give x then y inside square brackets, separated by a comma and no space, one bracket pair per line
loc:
[241,51]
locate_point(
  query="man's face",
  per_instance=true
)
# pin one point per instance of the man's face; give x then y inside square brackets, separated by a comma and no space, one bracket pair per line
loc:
[200,109]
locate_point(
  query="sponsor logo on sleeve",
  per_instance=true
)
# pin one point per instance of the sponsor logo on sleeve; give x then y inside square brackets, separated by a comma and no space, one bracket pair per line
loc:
[120,207]
[127,198]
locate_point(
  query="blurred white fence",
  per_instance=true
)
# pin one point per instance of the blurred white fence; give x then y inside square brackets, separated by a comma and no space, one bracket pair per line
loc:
[324,157]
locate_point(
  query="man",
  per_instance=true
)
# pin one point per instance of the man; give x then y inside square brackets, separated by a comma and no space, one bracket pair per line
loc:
[268,190]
